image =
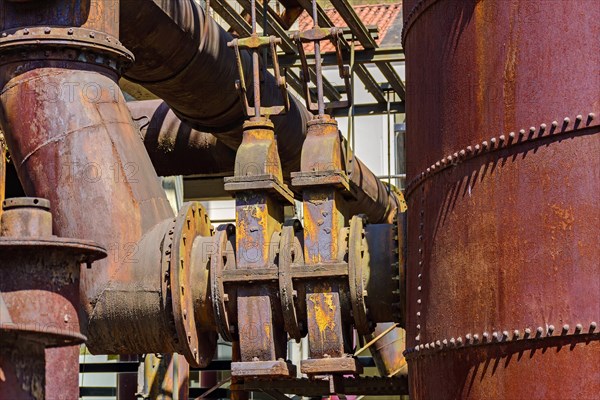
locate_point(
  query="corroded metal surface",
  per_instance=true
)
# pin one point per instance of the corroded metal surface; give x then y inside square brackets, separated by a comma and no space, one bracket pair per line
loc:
[39,295]
[174,147]
[187,72]
[72,141]
[387,351]
[260,199]
[503,199]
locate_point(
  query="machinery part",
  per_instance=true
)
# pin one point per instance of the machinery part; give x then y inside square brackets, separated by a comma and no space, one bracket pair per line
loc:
[316,35]
[186,73]
[174,147]
[324,184]
[223,258]
[39,294]
[260,196]
[503,199]
[356,262]
[254,43]
[290,253]
[387,350]
[89,162]
[65,67]
[288,275]
[191,222]
[321,387]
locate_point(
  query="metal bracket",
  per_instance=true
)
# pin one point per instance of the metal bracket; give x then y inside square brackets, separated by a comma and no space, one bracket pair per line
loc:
[255,43]
[316,35]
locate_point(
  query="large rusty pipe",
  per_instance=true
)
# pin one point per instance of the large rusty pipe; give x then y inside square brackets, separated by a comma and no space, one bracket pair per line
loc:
[91,164]
[196,78]
[174,147]
[503,217]
[73,141]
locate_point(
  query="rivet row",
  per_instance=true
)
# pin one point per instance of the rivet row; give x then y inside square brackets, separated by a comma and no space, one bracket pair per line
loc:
[496,144]
[498,337]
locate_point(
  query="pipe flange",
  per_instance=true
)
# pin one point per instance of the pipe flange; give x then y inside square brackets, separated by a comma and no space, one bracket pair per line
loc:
[76,44]
[357,258]
[51,318]
[290,253]
[191,222]
[223,258]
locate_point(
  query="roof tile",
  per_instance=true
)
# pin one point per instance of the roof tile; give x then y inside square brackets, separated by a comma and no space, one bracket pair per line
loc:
[380,15]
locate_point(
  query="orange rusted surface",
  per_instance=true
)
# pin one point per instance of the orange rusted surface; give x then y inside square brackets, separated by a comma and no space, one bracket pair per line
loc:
[258,186]
[39,297]
[503,199]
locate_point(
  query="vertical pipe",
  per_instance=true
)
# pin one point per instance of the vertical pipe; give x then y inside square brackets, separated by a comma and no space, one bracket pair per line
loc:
[318,64]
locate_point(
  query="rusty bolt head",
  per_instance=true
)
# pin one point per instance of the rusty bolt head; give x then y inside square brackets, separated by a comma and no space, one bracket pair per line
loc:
[539,331]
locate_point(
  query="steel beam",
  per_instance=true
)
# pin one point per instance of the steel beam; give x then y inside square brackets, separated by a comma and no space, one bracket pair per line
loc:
[372,109]
[362,34]
[360,70]
[238,23]
[366,56]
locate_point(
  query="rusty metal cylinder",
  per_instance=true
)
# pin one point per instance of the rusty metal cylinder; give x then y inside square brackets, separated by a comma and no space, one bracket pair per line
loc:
[73,141]
[26,217]
[39,295]
[174,147]
[387,350]
[502,110]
